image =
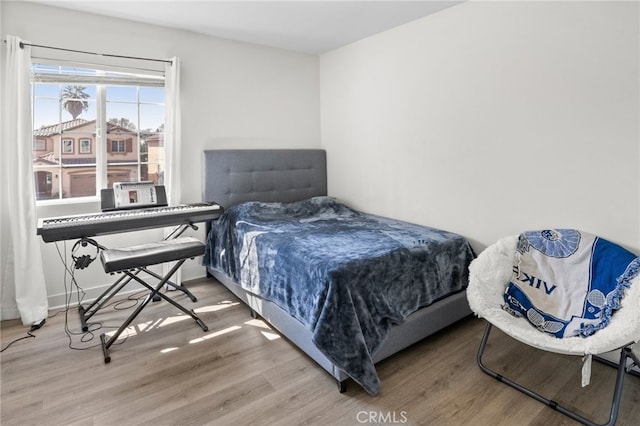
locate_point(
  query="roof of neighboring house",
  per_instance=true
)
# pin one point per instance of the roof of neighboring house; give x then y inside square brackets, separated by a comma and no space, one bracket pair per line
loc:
[78,161]
[46,159]
[90,161]
[55,129]
[50,160]
[65,126]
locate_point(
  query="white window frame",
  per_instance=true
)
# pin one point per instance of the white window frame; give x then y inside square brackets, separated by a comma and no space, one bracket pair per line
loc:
[102,79]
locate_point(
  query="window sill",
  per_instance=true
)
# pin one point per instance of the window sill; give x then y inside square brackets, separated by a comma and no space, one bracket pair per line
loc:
[67,206]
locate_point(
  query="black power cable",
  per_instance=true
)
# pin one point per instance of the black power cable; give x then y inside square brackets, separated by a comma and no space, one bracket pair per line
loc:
[34,327]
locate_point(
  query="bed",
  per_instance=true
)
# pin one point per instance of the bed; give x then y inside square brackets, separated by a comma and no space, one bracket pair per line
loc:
[328,302]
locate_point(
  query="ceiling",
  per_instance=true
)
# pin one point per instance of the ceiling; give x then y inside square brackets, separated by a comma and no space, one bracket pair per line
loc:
[313,27]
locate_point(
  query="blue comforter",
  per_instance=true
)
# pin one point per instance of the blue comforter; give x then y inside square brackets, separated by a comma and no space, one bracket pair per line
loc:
[346,275]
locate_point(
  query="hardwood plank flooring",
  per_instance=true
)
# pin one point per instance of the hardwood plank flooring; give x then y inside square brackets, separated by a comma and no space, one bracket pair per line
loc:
[240,372]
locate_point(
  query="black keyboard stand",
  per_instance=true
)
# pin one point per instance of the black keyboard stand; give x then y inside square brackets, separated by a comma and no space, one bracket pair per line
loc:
[108,294]
[130,259]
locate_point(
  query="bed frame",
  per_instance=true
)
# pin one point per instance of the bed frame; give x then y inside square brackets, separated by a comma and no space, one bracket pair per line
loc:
[288,175]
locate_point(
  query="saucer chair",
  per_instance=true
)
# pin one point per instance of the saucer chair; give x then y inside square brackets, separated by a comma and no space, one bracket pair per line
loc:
[491,272]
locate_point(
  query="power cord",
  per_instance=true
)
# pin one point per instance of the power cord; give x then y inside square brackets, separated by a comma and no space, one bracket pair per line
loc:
[35,326]
[89,335]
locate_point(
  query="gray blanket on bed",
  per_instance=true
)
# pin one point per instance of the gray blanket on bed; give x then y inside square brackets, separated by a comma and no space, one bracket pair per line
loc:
[347,276]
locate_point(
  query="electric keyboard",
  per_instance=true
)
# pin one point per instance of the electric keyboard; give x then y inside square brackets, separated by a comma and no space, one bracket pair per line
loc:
[90,225]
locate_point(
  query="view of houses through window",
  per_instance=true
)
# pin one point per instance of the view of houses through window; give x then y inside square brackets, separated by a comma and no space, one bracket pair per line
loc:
[89,135]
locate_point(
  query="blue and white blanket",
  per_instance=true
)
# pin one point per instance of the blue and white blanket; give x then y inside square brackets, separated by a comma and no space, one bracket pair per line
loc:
[567,282]
[347,276]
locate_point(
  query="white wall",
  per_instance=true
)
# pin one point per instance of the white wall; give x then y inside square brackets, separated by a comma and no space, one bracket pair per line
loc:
[233,95]
[491,118]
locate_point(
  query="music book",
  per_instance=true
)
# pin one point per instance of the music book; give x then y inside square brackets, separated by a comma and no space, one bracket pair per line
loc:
[133,195]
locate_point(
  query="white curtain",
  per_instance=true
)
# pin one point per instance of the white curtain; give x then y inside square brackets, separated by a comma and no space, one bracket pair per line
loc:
[172,142]
[172,130]
[23,289]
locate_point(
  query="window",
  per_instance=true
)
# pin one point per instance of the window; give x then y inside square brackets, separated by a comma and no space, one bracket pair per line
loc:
[118,146]
[85,146]
[39,145]
[67,146]
[93,128]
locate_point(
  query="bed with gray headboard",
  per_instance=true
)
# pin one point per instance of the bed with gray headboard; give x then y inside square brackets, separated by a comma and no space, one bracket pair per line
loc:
[236,177]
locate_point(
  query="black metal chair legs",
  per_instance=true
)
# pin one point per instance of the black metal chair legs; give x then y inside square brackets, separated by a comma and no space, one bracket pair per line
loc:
[625,353]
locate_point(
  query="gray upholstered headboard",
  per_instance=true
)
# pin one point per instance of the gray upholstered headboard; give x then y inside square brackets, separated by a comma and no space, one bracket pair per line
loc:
[232,176]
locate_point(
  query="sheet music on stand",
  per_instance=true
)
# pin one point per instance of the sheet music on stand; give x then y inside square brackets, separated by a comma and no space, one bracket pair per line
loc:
[133,195]
[130,194]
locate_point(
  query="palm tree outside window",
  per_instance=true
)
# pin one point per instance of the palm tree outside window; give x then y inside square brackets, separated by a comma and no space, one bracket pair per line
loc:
[74,100]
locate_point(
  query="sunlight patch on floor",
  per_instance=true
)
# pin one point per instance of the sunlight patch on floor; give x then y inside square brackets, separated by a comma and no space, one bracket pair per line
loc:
[257,323]
[215,334]
[270,335]
[148,325]
[213,308]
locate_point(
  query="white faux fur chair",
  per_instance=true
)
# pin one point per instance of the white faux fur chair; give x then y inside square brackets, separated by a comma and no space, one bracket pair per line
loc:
[489,275]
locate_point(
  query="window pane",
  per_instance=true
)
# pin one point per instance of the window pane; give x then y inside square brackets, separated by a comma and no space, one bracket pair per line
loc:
[73,133]
[133,173]
[47,182]
[123,116]
[79,182]
[46,115]
[152,118]
[78,169]
[152,153]
[64,155]
[47,90]
[155,173]
[122,135]
[46,118]
[122,148]
[121,173]
[153,95]
[122,93]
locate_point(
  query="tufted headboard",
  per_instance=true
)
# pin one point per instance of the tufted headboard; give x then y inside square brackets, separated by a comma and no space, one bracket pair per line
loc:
[232,176]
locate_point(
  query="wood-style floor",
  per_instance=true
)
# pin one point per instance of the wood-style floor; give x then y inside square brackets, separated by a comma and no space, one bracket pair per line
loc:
[170,372]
